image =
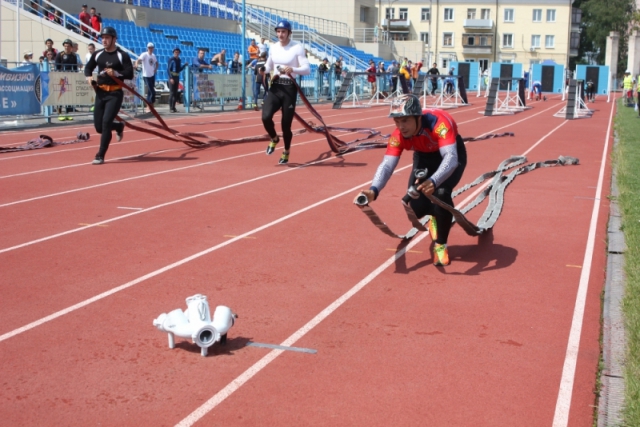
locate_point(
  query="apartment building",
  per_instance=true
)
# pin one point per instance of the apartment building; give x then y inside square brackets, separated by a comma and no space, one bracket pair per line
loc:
[523,31]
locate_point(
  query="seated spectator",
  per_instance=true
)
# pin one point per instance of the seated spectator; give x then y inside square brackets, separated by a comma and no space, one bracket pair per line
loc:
[219,59]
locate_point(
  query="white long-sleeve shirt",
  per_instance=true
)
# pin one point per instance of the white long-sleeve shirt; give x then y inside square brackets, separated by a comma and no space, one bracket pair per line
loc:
[292,55]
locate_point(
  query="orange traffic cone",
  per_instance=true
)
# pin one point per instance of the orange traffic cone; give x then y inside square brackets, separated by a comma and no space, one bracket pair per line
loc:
[240,104]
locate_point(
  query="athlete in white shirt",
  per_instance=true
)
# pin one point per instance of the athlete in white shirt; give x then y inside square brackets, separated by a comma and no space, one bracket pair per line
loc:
[149,68]
[287,59]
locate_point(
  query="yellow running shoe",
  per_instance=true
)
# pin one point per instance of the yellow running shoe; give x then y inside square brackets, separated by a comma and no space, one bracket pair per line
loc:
[433,228]
[272,145]
[440,255]
[284,158]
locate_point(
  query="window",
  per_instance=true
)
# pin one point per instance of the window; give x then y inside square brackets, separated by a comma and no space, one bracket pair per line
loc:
[424,37]
[425,14]
[508,15]
[404,13]
[507,40]
[537,15]
[551,15]
[575,41]
[484,64]
[471,14]
[485,41]
[445,63]
[390,13]
[535,40]
[485,13]
[469,41]
[448,14]
[364,13]
[576,16]
[447,39]
[549,41]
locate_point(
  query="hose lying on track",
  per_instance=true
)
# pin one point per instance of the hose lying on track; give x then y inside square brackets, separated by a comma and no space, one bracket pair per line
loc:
[495,190]
[45,141]
[372,138]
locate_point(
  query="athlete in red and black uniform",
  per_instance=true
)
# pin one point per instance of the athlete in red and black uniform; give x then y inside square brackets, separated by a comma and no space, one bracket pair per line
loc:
[433,136]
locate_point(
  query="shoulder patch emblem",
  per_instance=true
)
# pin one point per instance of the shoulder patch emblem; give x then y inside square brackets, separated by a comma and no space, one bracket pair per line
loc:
[394,142]
[442,130]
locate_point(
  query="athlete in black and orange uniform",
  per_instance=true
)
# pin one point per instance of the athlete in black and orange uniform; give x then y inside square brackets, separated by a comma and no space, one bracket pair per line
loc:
[433,137]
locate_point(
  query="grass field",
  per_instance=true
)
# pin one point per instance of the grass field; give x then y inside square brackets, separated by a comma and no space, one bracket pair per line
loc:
[627,161]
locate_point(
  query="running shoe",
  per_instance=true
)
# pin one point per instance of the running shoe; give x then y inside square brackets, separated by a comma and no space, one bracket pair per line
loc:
[62,118]
[272,145]
[284,158]
[433,228]
[92,108]
[98,161]
[440,255]
[69,118]
[119,135]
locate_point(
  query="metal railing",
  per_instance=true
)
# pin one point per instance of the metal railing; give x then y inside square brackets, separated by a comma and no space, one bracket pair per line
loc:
[321,25]
[46,11]
[371,35]
[210,8]
[263,25]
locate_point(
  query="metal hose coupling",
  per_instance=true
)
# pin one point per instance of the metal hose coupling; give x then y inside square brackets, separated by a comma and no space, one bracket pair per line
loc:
[362,200]
[421,176]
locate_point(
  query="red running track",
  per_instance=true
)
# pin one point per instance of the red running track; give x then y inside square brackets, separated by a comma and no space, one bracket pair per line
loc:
[482,342]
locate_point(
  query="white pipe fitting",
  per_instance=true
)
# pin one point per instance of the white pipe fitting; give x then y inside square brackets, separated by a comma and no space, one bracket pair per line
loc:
[195,323]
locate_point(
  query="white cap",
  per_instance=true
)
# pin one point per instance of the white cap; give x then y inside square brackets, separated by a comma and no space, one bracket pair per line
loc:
[627,72]
[150,44]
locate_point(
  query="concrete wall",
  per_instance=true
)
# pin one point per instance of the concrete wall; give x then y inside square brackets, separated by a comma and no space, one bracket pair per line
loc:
[376,49]
[412,50]
[152,16]
[33,32]
[633,61]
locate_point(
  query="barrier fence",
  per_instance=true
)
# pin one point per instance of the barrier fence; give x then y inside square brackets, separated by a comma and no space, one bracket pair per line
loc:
[36,91]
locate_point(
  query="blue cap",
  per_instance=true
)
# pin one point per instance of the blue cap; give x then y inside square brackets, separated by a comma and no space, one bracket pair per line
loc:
[284,25]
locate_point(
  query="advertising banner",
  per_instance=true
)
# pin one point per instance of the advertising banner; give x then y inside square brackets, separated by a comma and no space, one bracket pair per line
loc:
[20,90]
[67,88]
[210,86]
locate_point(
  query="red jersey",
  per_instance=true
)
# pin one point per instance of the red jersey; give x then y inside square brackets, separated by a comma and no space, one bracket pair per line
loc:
[85,18]
[438,130]
[371,78]
[95,22]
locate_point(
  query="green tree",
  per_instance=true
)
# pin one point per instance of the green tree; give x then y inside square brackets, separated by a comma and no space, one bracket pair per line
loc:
[599,18]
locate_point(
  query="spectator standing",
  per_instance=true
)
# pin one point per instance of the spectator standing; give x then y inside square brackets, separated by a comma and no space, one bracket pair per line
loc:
[433,72]
[49,44]
[415,72]
[67,61]
[199,63]
[323,72]
[261,79]
[90,49]
[96,22]
[254,50]
[50,60]
[262,46]
[393,70]
[235,65]
[149,68]
[28,57]
[337,69]
[371,78]
[175,68]
[381,69]
[75,50]
[85,19]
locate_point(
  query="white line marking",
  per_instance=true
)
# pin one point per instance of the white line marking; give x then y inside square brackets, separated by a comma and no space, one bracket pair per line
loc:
[98,297]
[262,363]
[133,209]
[563,404]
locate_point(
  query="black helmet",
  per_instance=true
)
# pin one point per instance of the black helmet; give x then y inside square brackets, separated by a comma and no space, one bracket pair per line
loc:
[109,31]
[405,105]
[67,41]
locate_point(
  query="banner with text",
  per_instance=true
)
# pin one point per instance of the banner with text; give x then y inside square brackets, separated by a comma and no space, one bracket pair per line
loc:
[212,86]
[20,90]
[66,88]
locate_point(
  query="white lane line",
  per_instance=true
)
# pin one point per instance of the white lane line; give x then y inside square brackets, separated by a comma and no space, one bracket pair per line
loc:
[133,209]
[64,233]
[131,178]
[234,385]
[225,159]
[183,261]
[563,404]
[303,114]
[162,205]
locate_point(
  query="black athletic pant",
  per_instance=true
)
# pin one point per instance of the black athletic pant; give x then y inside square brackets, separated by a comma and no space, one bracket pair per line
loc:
[173,93]
[280,97]
[106,109]
[423,206]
